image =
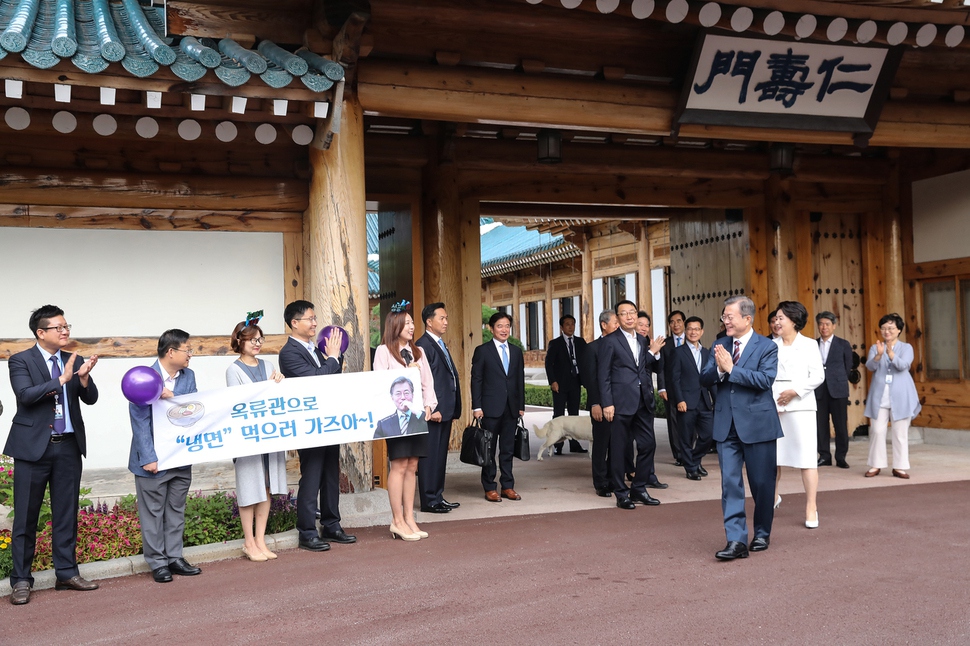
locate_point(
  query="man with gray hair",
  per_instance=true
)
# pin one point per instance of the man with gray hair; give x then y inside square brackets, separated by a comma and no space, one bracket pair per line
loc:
[601,427]
[833,395]
[742,367]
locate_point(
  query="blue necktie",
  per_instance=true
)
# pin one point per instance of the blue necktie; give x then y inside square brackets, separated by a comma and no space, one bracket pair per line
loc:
[441,342]
[505,359]
[59,425]
[677,341]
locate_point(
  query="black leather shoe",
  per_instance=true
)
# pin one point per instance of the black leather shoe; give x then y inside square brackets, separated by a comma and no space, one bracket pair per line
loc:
[760,544]
[693,475]
[21,593]
[702,471]
[733,550]
[678,463]
[314,545]
[450,505]
[824,463]
[604,493]
[183,568]
[339,536]
[437,509]
[76,583]
[656,484]
[842,464]
[625,503]
[162,575]
[643,498]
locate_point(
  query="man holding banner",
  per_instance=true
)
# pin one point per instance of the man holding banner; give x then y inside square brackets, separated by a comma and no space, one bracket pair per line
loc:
[162,494]
[319,466]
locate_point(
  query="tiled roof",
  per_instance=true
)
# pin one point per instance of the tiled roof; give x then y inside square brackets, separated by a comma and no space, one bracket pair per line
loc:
[511,248]
[95,33]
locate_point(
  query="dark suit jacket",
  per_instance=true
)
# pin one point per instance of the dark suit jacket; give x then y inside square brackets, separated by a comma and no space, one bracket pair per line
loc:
[449,400]
[295,361]
[837,367]
[391,427]
[685,383]
[664,374]
[588,370]
[622,382]
[744,397]
[142,450]
[559,367]
[30,430]
[493,391]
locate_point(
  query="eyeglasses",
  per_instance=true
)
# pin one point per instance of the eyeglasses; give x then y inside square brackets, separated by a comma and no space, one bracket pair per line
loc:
[59,328]
[258,340]
[727,318]
[188,352]
[312,319]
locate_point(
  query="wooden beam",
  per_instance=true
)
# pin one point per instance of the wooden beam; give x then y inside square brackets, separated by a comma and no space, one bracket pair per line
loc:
[144,191]
[346,44]
[579,212]
[73,217]
[137,346]
[589,327]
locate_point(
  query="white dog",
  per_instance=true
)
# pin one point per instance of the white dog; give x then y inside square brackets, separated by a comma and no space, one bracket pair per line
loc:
[567,427]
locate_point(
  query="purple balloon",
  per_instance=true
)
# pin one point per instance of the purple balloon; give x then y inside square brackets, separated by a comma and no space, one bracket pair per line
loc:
[325,334]
[142,386]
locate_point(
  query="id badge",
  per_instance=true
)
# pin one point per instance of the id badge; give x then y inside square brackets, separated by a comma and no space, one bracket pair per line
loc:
[58,411]
[889,379]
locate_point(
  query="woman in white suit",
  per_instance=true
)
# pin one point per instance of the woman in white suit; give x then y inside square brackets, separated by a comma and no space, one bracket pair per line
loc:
[892,397]
[800,372]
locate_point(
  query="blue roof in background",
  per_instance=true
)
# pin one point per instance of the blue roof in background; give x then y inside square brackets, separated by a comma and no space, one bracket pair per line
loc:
[373,245]
[502,244]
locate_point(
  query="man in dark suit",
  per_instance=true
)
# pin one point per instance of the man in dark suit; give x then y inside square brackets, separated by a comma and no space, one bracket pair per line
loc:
[594,404]
[46,442]
[741,369]
[320,465]
[403,421]
[832,396]
[694,403]
[563,357]
[626,391]
[431,469]
[498,399]
[162,494]
[675,323]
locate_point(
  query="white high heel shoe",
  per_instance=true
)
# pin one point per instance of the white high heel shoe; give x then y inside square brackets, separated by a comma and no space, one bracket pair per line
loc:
[812,524]
[778,502]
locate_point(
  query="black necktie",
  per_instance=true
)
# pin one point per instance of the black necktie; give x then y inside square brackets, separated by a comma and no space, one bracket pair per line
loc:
[572,355]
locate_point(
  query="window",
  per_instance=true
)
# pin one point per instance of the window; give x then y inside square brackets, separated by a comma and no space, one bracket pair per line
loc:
[945,329]
[615,287]
[566,307]
[532,342]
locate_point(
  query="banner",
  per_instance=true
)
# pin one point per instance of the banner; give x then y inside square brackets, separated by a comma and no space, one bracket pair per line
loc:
[297,413]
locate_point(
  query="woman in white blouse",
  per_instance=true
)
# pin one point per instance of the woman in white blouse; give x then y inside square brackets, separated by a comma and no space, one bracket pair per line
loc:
[800,372]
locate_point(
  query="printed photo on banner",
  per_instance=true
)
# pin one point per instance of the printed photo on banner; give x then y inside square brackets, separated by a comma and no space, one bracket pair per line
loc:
[265,417]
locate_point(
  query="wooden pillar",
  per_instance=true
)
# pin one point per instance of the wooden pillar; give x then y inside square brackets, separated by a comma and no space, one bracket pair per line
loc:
[873,273]
[895,298]
[552,327]
[586,307]
[805,270]
[470,326]
[644,261]
[335,232]
[756,275]
[517,328]
[780,215]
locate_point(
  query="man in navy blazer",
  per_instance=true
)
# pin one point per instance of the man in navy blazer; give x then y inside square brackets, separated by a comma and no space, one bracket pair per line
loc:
[832,396]
[320,465]
[47,441]
[431,469]
[624,367]
[694,403]
[162,494]
[741,369]
[498,399]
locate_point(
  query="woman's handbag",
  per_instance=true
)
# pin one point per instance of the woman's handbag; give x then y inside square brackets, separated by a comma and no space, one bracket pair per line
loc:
[520,448]
[476,443]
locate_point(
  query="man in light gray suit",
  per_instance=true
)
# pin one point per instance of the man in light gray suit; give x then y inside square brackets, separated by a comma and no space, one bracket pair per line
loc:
[162,494]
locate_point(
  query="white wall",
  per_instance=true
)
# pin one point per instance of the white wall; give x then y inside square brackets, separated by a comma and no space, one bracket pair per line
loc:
[941,217]
[134,283]
[659,294]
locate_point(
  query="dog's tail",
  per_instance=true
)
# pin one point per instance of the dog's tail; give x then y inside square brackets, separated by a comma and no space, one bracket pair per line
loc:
[540,432]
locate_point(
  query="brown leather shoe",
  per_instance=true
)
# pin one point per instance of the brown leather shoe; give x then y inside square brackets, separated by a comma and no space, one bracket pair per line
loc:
[900,474]
[510,494]
[21,593]
[76,583]
[492,496]
[871,473]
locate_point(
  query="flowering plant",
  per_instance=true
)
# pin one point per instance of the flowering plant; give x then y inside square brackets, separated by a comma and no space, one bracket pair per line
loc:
[6,558]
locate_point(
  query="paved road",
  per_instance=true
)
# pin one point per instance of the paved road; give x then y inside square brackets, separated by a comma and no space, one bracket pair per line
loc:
[888,565]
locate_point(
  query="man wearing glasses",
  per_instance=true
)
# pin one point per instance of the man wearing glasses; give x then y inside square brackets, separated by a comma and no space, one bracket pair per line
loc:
[46,442]
[320,465]
[162,494]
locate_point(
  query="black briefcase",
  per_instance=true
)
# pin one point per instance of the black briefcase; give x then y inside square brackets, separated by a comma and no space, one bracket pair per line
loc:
[476,445]
[520,448]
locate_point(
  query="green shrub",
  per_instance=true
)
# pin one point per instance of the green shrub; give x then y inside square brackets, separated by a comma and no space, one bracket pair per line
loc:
[6,556]
[209,519]
[282,514]
[542,396]
[487,313]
